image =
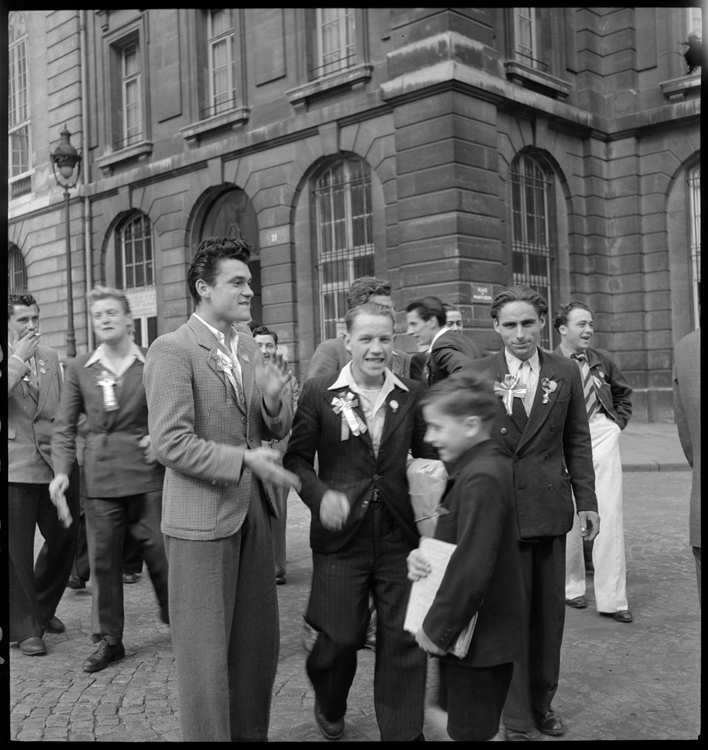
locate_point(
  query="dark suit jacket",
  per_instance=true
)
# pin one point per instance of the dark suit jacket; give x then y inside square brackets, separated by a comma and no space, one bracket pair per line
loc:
[614,392]
[114,463]
[350,466]
[554,441]
[31,410]
[484,572]
[451,352]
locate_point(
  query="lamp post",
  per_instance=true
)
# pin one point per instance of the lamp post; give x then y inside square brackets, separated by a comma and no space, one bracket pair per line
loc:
[65,160]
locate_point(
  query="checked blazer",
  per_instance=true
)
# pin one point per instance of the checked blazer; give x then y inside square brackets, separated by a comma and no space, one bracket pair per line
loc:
[546,468]
[200,431]
[350,466]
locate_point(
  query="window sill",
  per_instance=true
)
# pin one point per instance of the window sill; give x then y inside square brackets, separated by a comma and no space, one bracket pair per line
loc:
[676,89]
[108,162]
[357,74]
[536,79]
[231,119]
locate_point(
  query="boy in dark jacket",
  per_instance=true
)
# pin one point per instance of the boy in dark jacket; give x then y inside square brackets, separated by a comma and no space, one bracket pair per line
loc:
[484,573]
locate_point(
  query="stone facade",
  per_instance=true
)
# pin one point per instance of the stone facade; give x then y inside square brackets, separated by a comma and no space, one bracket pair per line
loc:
[439,105]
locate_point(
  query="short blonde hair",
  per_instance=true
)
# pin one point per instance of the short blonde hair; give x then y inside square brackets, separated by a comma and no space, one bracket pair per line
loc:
[105,292]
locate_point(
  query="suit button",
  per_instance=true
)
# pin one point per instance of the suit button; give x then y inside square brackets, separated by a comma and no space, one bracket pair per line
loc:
[365,504]
[243,420]
[550,486]
[377,477]
[547,457]
[503,430]
[553,428]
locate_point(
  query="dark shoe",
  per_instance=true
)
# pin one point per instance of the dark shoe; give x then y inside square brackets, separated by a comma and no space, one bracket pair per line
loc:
[103,656]
[549,723]
[165,615]
[624,615]
[513,735]
[55,625]
[75,582]
[332,730]
[579,602]
[33,646]
[130,577]
[279,580]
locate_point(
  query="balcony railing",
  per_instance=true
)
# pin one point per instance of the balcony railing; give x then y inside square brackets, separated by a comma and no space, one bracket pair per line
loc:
[21,186]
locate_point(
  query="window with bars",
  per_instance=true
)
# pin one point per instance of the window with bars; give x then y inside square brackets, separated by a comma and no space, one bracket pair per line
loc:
[131,92]
[530,236]
[134,257]
[16,271]
[19,159]
[336,40]
[345,243]
[222,61]
[694,193]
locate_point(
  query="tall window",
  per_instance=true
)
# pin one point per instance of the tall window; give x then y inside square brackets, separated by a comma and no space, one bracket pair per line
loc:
[345,243]
[16,272]
[526,37]
[531,246]
[134,261]
[336,40]
[694,193]
[222,77]
[18,107]
[131,83]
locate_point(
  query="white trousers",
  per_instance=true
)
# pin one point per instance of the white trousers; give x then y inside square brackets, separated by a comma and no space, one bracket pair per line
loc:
[608,549]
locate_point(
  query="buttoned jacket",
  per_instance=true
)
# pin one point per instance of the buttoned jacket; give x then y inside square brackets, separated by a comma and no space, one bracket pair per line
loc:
[551,453]
[350,466]
[483,575]
[612,388]
[200,431]
[31,410]
[113,462]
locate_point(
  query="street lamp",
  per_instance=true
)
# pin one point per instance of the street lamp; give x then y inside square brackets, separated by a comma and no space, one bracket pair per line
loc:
[64,160]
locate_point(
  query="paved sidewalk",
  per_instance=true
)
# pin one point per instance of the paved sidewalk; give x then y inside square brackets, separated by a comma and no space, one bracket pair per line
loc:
[652,447]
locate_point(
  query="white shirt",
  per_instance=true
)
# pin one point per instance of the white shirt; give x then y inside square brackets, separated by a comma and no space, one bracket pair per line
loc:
[530,376]
[232,347]
[101,357]
[375,418]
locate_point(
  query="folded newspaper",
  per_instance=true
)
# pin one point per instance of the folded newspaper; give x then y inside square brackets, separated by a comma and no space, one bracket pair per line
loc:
[426,484]
[423,593]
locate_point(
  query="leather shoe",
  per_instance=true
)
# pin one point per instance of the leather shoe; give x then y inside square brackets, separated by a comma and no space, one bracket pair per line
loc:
[33,646]
[103,656]
[165,614]
[549,723]
[75,582]
[624,615]
[514,735]
[279,580]
[55,625]
[331,730]
[579,602]
[130,577]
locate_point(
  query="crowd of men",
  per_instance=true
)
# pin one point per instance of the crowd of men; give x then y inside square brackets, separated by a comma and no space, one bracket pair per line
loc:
[181,452]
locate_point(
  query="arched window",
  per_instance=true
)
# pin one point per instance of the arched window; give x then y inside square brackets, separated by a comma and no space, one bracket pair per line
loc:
[532,245]
[16,272]
[345,238]
[694,197]
[19,159]
[135,273]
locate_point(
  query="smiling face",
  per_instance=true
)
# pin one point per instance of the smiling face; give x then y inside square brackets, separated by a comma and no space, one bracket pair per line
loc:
[423,331]
[22,321]
[370,342]
[578,330]
[110,321]
[520,327]
[266,344]
[451,435]
[228,300]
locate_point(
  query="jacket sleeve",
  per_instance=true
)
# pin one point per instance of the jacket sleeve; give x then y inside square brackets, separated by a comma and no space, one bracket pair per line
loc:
[419,448]
[169,384]
[324,361]
[577,445]
[16,370]
[480,524]
[71,406]
[451,360]
[302,448]
[621,393]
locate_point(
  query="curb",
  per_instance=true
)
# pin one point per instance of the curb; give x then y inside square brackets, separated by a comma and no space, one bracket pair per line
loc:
[656,466]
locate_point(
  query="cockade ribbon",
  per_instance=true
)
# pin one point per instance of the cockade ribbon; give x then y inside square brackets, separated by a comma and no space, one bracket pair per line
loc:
[107,383]
[344,405]
[509,389]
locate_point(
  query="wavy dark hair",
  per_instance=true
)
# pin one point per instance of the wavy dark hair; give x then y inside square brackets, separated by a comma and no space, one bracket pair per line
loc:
[519,293]
[205,263]
[429,307]
[19,300]
[564,311]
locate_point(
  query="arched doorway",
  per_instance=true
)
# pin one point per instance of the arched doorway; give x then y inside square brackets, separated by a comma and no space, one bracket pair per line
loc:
[230,213]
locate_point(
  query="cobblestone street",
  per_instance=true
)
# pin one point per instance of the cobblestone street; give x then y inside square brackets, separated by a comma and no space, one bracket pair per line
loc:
[618,681]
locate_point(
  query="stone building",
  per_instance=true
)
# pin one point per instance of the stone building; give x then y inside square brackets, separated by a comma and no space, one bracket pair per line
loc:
[452,151]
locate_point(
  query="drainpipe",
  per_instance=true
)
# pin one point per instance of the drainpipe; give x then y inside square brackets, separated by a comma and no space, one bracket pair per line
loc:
[86,172]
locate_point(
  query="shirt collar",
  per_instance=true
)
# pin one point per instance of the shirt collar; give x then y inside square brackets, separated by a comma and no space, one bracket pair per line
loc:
[566,352]
[444,329]
[219,335]
[99,355]
[514,363]
[346,380]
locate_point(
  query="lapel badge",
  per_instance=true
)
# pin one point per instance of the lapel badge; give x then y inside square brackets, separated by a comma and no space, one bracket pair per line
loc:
[548,387]
[394,406]
[245,358]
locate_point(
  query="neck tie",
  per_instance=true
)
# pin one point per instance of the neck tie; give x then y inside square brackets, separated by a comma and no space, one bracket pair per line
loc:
[519,405]
[525,379]
[588,386]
